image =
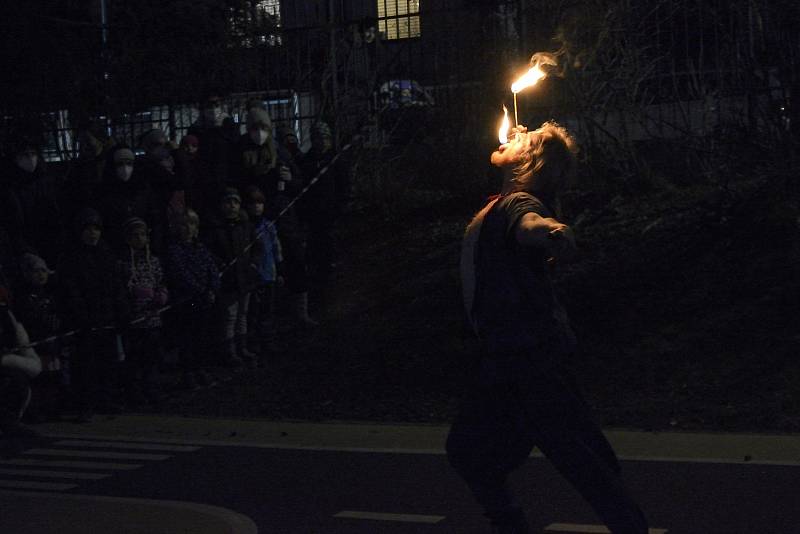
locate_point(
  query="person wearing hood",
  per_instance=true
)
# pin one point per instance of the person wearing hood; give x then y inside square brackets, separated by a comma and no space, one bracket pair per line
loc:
[29,200]
[125,193]
[95,301]
[85,173]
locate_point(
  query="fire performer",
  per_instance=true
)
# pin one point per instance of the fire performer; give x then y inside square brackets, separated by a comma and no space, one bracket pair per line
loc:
[523,395]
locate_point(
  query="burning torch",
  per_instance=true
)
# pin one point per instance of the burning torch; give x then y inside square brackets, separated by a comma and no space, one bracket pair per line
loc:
[530,78]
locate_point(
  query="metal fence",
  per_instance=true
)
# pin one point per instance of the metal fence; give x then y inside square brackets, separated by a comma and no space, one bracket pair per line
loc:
[689,67]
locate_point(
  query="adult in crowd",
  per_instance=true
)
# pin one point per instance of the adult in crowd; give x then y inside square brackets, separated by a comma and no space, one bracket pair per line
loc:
[217,148]
[125,193]
[29,199]
[523,394]
[157,167]
[322,204]
[261,166]
[190,170]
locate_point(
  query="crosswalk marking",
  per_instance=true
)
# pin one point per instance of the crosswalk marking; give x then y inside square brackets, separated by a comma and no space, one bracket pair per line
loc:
[24,484]
[126,445]
[72,464]
[405,518]
[590,529]
[53,474]
[98,454]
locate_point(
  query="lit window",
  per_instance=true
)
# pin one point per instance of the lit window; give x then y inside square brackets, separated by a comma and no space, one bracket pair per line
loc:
[398,19]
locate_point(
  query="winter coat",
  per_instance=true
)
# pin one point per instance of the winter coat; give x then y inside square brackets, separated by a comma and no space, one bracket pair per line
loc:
[39,309]
[29,209]
[226,240]
[272,256]
[118,201]
[93,292]
[191,271]
[144,279]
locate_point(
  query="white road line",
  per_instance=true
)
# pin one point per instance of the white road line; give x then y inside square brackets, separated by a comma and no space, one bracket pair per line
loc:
[590,529]
[404,518]
[126,445]
[19,484]
[53,474]
[74,464]
[98,454]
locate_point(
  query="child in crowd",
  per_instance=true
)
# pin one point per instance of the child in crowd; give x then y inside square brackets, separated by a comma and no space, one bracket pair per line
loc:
[262,305]
[231,239]
[97,304]
[194,279]
[37,307]
[142,274]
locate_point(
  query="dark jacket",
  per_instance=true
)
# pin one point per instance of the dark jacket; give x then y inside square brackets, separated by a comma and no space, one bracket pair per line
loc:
[191,271]
[29,209]
[94,295]
[227,240]
[120,200]
[39,309]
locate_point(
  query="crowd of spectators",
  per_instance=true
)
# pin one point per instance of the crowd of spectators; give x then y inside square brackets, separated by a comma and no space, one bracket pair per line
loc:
[131,251]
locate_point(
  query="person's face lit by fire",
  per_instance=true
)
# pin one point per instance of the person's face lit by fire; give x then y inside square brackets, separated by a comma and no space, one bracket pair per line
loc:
[515,151]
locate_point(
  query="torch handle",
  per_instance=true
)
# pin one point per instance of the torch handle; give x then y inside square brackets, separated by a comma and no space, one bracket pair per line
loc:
[516,120]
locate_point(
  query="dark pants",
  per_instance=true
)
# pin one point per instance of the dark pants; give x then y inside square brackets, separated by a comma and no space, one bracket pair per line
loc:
[15,393]
[261,312]
[522,405]
[94,370]
[196,333]
[143,354]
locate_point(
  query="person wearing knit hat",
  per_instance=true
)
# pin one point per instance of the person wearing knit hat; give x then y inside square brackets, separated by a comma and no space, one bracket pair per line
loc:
[37,304]
[143,276]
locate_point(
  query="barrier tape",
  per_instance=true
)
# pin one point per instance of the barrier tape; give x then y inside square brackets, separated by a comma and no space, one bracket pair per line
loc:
[222,271]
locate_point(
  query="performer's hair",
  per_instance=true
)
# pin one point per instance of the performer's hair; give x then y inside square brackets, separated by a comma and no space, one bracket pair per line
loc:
[549,159]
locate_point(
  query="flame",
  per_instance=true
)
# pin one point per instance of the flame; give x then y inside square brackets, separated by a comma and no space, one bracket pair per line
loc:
[502,134]
[531,77]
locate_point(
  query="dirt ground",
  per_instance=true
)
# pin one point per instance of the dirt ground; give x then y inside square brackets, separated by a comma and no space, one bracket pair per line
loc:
[686,311]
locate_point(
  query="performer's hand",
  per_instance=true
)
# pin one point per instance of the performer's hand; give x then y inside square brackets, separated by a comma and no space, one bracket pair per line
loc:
[562,243]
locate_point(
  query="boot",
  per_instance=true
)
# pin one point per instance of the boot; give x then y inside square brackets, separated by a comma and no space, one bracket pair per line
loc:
[299,305]
[230,356]
[244,353]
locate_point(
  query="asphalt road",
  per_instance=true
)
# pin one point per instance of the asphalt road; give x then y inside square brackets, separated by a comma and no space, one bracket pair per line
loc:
[318,490]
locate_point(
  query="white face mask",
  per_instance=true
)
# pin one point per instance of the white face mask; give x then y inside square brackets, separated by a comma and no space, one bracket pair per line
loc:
[124,172]
[27,163]
[259,137]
